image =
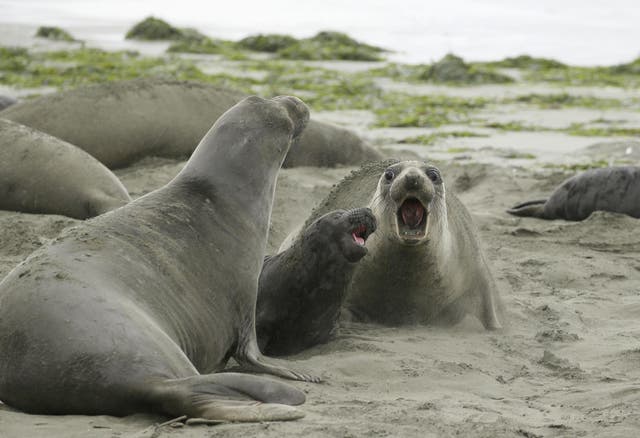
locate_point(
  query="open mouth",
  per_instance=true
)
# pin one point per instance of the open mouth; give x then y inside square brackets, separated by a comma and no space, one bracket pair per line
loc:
[412,220]
[360,234]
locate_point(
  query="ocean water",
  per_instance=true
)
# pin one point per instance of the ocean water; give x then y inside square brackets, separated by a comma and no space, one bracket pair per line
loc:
[581,32]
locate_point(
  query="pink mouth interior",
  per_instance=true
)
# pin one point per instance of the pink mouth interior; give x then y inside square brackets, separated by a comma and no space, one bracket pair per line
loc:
[358,233]
[412,212]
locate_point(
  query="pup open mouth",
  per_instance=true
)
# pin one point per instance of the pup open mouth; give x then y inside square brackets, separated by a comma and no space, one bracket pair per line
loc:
[360,234]
[412,220]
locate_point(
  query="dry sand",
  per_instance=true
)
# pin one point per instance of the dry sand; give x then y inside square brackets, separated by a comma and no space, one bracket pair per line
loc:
[567,364]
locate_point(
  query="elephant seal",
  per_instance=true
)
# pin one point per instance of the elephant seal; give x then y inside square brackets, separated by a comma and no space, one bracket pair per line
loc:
[121,122]
[42,174]
[301,290]
[615,189]
[425,264]
[127,312]
[6,102]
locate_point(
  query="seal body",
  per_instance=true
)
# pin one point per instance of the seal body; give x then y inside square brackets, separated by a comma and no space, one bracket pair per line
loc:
[615,189]
[131,310]
[42,174]
[301,289]
[121,122]
[425,264]
[6,102]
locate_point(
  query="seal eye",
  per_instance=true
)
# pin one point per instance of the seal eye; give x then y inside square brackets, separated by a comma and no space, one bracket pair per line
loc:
[433,174]
[388,174]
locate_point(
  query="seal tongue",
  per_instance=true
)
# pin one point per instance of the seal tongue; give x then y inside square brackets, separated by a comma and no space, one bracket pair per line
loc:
[412,212]
[359,240]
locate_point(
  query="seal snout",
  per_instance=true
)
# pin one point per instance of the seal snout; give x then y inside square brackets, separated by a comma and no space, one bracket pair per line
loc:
[297,110]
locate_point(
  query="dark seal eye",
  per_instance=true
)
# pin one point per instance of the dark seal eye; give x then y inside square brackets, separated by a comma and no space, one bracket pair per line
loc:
[433,174]
[388,174]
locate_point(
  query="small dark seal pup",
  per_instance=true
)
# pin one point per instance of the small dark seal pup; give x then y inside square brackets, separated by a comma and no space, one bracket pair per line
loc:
[615,189]
[136,310]
[301,289]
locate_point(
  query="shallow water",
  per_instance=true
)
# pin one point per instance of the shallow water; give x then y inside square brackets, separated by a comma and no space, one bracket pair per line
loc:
[588,32]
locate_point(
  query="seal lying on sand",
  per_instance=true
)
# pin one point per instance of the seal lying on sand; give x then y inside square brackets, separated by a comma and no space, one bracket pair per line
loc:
[301,289]
[121,122]
[615,189]
[122,313]
[425,264]
[42,174]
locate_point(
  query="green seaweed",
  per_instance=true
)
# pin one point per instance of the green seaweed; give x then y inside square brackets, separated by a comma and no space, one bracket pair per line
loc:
[54,33]
[403,110]
[560,100]
[513,126]
[527,62]
[267,42]
[453,69]
[580,129]
[429,139]
[578,167]
[331,45]
[152,28]
[519,155]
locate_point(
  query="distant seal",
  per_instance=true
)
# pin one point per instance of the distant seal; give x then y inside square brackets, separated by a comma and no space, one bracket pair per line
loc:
[301,289]
[42,174]
[615,189]
[425,264]
[123,313]
[121,122]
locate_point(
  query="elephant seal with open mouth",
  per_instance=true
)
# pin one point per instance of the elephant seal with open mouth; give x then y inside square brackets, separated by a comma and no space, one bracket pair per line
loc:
[425,264]
[301,289]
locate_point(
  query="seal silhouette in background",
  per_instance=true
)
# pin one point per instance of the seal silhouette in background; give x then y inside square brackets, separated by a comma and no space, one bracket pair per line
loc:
[133,310]
[301,289]
[42,174]
[615,189]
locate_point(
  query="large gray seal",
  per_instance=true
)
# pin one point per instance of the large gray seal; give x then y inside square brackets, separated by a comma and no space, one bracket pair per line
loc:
[425,264]
[615,189]
[301,289]
[121,122]
[131,311]
[42,174]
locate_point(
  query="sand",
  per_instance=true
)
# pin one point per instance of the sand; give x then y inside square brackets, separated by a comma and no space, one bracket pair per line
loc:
[567,362]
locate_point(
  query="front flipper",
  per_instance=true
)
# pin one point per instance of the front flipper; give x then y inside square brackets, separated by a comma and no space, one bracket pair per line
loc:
[252,359]
[228,397]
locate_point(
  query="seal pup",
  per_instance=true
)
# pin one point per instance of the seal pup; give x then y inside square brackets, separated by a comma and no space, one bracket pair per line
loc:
[425,264]
[124,121]
[133,310]
[301,289]
[615,189]
[42,174]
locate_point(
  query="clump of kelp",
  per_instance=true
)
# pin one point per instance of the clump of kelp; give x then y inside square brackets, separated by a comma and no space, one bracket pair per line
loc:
[54,33]
[325,45]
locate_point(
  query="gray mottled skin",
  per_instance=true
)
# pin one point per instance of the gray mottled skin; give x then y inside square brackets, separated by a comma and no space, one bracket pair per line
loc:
[301,289]
[121,122]
[615,189]
[130,311]
[42,174]
[434,278]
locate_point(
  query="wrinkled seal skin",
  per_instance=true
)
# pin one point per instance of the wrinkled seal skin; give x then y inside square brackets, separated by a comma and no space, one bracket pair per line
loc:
[301,289]
[615,189]
[434,273]
[42,174]
[130,311]
[121,122]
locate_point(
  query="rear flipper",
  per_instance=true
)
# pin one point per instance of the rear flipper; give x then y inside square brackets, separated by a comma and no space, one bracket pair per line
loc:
[228,397]
[530,208]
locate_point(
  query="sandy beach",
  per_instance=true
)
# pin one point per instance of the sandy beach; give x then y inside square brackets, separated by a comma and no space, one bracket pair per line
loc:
[566,363]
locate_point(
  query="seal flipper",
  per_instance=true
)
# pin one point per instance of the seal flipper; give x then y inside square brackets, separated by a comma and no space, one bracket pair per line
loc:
[228,397]
[530,208]
[252,359]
